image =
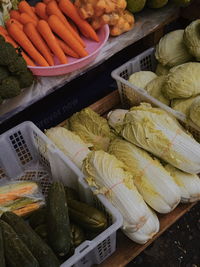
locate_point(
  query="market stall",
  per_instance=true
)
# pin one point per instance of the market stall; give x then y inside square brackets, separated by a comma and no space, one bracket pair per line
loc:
[105,183]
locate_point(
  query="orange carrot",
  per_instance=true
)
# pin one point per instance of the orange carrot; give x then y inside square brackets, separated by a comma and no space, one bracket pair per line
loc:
[53,9]
[70,10]
[20,37]
[46,1]
[14,14]
[66,49]
[3,30]
[24,6]
[25,18]
[27,209]
[29,61]
[40,10]
[32,33]
[73,26]
[10,21]
[50,39]
[59,28]
[33,8]
[8,39]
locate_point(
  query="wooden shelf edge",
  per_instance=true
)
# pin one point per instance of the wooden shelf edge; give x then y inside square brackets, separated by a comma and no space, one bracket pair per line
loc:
[127,250]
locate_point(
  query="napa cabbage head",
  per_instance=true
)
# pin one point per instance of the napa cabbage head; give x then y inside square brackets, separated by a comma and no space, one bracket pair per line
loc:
[189,184]
[156,131]
[191,38]
[92,128]
[183,81]
[153,182]
[171,51]
[110,177]
[147,231]
[154,88]
[69,143]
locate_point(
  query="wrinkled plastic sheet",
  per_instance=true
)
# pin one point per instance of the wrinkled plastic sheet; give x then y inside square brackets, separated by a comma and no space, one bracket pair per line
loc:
[146,22]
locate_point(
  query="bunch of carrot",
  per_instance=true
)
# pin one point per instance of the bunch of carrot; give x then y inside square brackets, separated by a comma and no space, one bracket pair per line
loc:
[48,29]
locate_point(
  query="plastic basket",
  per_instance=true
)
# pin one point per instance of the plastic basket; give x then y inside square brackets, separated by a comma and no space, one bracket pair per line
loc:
[145,61]
[27,154]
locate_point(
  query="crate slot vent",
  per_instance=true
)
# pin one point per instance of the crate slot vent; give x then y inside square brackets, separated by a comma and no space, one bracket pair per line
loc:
[104,248]
[145,63]
[20,147]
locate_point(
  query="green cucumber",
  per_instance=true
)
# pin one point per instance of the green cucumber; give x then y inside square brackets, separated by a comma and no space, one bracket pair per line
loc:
[71,193]
[16,252]
[36,245]
[78,235]
[58,227]
[41,230]
[37,218]
[2,256]
[87,216]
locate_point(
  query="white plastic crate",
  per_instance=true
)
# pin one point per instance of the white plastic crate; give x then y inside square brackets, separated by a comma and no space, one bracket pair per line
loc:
[145,61]
[27,154]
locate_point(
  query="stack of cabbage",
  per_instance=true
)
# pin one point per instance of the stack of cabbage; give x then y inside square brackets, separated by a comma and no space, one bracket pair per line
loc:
[176,81]
[132,179]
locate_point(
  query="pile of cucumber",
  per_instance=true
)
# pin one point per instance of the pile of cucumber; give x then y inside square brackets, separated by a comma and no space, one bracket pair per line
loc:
[51,233]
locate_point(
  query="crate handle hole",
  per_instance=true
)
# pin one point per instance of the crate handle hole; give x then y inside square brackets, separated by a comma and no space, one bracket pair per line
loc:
[83,249]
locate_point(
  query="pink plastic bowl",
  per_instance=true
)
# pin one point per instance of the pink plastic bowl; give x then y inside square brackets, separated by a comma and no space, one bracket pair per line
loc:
[93,49]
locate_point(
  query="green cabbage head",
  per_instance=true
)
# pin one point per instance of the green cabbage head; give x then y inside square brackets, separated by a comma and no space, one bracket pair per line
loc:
[141,78]
[191,38]
[171,51]
[183,81]
[154,88]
